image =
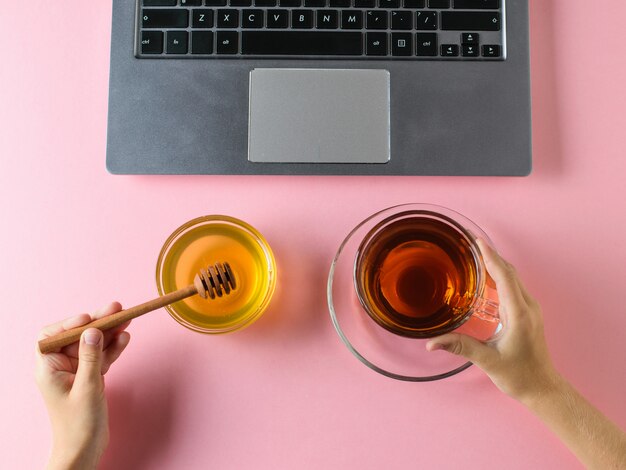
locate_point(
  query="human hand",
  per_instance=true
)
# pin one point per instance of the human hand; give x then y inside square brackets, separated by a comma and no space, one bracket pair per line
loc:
[518,362]
[72,385]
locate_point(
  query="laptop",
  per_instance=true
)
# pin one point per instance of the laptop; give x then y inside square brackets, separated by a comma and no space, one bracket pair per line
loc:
[320,87]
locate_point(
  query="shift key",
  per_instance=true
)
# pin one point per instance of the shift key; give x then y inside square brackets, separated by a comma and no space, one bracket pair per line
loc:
[165,18]
[470,20]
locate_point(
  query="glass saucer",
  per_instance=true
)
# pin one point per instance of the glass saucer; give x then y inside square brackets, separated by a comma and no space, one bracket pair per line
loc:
[389,354]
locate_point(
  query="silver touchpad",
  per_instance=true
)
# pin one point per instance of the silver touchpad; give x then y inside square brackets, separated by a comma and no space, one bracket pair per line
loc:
[319,116]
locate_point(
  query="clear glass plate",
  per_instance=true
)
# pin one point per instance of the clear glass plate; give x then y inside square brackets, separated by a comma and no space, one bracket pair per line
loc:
[392,355]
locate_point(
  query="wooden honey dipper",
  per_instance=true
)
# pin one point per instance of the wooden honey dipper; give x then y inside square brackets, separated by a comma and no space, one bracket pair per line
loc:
[215,281]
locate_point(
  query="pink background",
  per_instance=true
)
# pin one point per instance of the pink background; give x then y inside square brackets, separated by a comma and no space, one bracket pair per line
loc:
[285,393]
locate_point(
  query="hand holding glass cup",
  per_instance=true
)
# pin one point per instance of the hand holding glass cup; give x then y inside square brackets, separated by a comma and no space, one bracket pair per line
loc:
[406,274]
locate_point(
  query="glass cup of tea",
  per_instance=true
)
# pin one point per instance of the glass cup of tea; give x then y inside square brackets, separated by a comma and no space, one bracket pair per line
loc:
[406,274]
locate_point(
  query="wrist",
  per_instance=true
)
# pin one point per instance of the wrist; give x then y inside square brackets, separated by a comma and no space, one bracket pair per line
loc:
[551,384]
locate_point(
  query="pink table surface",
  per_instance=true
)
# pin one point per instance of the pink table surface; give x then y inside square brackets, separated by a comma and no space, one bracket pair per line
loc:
[285,393]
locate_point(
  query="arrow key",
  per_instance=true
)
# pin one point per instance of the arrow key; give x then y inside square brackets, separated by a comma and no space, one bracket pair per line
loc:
[491,50]
[469,50]
[449,50]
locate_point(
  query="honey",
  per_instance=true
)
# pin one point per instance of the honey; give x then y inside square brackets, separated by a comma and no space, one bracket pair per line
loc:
[206,241]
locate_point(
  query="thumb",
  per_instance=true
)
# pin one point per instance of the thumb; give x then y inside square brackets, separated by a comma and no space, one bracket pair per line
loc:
[466,346]
[89,359]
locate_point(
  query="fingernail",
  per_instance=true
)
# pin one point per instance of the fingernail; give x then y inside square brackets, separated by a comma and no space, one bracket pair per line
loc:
[92,337]
[437,346]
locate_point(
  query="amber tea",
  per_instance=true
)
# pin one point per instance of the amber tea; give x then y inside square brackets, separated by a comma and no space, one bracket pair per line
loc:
[417,276]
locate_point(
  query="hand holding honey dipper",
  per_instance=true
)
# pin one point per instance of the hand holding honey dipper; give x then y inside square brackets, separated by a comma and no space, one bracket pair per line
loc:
[70,374]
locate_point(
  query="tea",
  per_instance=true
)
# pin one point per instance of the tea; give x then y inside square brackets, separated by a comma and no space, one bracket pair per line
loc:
[417,276]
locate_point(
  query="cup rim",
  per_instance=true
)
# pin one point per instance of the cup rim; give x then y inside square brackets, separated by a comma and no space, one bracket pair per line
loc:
[240,224]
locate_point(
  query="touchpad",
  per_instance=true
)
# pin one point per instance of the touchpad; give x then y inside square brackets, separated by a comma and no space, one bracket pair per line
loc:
[318,116]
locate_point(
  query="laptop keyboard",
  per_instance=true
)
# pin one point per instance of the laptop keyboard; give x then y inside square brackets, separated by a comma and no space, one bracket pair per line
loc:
[355,29]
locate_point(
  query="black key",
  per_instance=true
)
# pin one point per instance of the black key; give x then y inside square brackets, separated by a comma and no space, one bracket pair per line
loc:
[290,3]
[438,3]
[227,42]
[426,20]
[364,3]
[252,18]
[401,20]
[490,50]
[163,18]
[388,3]
[414,3]
[469,38]
[376,44]
[176,42]
[239,3]
[159,3]
[151,42]
[315,3]
[202,42]
[190,3]
[426,44]
[449,50]
[301,43]
[227,18]
[469,50]
[302,19]
[351,19]
[264,3]
[215,3]
[339,3]
[202,18]
[401,44]
[470,20]
[277,18]
[477,4]
[327,19]
[376,19]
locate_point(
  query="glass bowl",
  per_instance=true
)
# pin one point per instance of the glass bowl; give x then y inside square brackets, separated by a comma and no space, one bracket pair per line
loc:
[203,242]
[396,356]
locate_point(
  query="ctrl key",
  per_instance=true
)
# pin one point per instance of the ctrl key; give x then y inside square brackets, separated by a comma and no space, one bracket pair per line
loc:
[151,42]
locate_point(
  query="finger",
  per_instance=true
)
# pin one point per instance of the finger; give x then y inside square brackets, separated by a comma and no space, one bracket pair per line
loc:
[503,274]
[465,346]
[67,324]
[529,299]
[113,307]
[109,335]
[107,310]
[90,358]
[115,349]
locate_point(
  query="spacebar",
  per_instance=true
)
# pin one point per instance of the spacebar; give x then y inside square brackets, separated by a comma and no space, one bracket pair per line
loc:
[301,43]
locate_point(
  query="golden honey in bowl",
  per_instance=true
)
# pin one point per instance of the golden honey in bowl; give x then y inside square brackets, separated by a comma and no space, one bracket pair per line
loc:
[203,242]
